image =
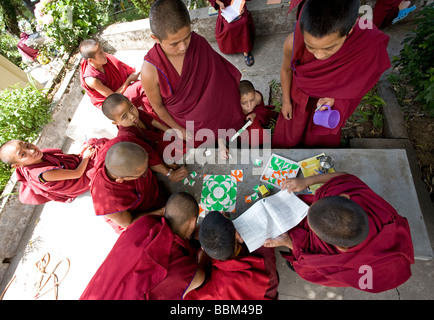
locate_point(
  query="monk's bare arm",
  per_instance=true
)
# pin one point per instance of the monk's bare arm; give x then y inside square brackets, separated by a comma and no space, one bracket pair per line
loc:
[97,85]
[286,77]
[299,184]
[149,78]
[66,174]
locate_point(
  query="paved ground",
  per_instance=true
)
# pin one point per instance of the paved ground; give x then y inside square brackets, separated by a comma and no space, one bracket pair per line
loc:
[72,231]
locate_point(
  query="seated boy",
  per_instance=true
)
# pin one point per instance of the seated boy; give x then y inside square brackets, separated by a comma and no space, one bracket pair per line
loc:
[49,174]
[153,259]
[237,36]
[122,185]
[235,273]
[252,104]
[101,74]
[185,79]
[347,228]
[129,119]
[328,60]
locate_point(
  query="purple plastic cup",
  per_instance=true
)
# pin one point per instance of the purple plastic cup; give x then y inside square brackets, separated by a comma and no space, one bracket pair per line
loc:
[327,118]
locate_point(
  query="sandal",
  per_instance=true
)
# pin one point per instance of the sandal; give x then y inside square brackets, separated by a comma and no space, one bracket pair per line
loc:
[249,60]
[403,13]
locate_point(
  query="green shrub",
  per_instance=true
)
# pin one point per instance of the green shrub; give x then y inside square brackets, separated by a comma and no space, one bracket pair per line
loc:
[23,113]
[416,58]
[143,5]
[67,22]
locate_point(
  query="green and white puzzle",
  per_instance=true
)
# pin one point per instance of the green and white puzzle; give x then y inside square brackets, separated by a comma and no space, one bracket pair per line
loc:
[278,169]
[219,193]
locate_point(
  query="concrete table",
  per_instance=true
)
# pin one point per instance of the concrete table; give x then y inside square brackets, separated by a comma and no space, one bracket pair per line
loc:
[387,172]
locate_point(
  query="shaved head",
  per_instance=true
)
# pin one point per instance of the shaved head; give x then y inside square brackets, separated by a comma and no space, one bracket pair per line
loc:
[180,208]
[7,151]
[126,159]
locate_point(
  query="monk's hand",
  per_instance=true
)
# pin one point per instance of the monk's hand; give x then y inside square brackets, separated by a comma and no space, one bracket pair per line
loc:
[325,101]
[294,184]
[221,4]
[251,117]
[284,240]
[133,77]
[89,152]
[178,174]
[286,110]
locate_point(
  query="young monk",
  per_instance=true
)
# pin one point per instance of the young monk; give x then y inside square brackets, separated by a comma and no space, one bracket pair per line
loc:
[49,174]
[347,228]
[153,259]
[129,119]
[328,60]
[101,74]
[237,36]
[123,188]
[185,79]
[252,104]
[235,274]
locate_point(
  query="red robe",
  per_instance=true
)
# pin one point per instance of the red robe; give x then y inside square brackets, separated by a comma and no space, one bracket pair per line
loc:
[384,12]
[34,190]
[346,76]
[26,51]
[245,277]
[256,134]
[136,196]
[147,262]
[116,73]
[152,136]
[388,249]
[237,36]
[206,92]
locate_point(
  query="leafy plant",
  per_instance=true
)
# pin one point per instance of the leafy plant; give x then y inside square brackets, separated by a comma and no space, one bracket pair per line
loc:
[23,113]
[67,22]
[416,58]
[143,5]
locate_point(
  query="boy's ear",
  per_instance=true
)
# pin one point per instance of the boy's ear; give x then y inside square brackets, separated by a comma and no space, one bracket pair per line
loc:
[16,165]
[119,180]
[238,237]
[114,122]
[154,37]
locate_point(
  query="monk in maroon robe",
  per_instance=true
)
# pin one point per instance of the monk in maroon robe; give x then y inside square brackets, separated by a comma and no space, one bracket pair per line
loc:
[101,74]
[152,260]
[235,273]
[186,80]
[237,36]
[378,263]
[324,68]
[131,120]
[118,199]
[49,174]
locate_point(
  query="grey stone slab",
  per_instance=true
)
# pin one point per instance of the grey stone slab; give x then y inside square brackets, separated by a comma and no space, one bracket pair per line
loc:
[387,172]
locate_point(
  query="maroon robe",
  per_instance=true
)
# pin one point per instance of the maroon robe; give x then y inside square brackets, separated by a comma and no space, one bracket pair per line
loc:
[244,277]
[388,248]
[256,134]
[34,190]
[237,36]
[26,51]
[115,75]
[136,196]
[147,262]
[384,12]
[206,92]
[346,76]
[153,136]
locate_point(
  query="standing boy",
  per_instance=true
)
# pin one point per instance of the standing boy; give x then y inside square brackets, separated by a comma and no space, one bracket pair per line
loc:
[328,60]
[185,79]
[236,36]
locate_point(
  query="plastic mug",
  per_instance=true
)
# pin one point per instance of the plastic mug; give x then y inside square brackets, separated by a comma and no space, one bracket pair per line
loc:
[327,118]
